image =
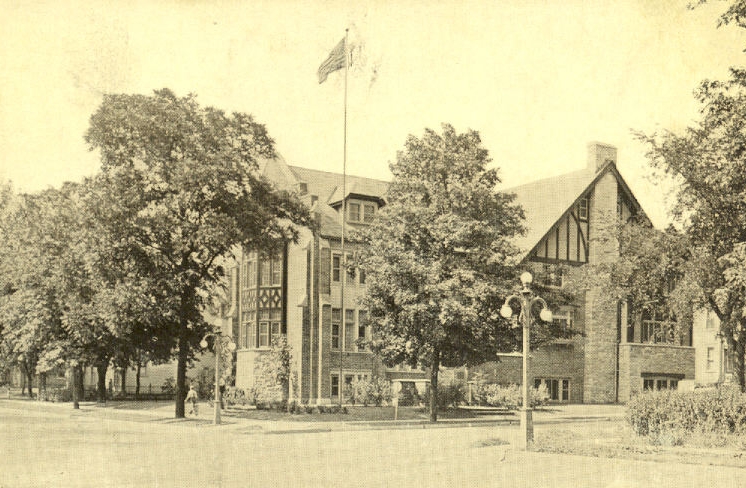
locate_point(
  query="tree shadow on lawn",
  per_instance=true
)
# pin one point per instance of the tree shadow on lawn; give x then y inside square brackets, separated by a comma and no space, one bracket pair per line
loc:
[616,440]
[354,414]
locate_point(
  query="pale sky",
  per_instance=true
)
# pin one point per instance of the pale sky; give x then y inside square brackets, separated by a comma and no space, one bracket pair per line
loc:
[537,79]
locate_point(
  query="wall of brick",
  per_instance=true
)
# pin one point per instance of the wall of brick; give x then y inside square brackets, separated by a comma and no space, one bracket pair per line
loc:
[660,359]
[556,361]
[297,311]
[600,345]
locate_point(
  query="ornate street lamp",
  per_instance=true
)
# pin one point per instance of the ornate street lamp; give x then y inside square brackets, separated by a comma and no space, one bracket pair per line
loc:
[218,343]
[526,299]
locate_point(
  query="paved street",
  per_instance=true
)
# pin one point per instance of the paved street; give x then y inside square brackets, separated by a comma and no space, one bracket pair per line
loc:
[43,446]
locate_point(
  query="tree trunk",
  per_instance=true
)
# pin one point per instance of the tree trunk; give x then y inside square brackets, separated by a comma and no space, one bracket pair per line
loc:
[22,371]
[137,379]
[80,371]
[181,374]
[183,355]
[74,386]
[434,386]
[738,362]
[43,386]
[101,368]
[30,379]
[123,381]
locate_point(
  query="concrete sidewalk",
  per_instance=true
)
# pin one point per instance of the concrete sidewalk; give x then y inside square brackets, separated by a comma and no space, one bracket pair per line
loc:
[116,411]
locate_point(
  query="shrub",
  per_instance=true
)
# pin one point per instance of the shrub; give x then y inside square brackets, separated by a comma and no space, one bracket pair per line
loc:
[61,395]
[449,395]
[511,396]
[658,414]
[237,396]
[169,386]
[365,392]
[379,391]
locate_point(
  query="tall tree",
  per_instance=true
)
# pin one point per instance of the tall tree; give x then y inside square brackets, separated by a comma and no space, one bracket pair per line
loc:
[439,258]
[183,188]
[655,273]
[707,162]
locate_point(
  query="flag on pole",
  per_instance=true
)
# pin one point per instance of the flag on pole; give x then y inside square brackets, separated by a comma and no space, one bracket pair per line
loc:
[334,62]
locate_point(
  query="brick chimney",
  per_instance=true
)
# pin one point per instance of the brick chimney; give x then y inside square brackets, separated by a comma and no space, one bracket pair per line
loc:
[599,154]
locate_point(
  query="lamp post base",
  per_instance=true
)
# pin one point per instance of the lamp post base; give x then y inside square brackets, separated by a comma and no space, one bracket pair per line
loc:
[527,428]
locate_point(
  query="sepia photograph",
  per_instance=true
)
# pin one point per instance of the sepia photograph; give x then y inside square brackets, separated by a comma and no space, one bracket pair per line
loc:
[455,243]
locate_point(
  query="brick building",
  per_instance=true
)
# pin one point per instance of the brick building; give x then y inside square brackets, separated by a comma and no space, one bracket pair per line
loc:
[297,291]
[619,353]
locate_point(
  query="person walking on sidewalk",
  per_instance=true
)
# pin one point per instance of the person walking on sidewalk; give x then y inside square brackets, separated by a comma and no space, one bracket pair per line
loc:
[191,398]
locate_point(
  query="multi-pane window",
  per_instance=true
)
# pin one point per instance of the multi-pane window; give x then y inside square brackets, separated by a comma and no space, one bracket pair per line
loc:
[660,383]
[583,209]
[362,326]
[252,334]
[349,328]
[354,210]
[711,318]
[564,318]
[263,334]
[336,326]
[277,271]
[247,331]
[335,385]
[656,330]
[275,317]
[270,270]
[710,358]
[350,269]
[265,272]
[369,210]
[336,267]
[361,274]
[728,361]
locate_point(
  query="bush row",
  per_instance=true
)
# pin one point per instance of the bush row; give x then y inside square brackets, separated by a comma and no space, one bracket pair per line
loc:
[656,413]
[508,396]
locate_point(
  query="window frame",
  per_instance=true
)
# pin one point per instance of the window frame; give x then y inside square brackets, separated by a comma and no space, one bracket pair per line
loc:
[357,213]
[584,206]
[366,207]
[336,324]
[710,358]
[264,332]
[336,268]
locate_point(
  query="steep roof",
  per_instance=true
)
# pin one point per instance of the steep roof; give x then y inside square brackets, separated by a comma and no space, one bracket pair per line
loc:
[545,201]
[328,186]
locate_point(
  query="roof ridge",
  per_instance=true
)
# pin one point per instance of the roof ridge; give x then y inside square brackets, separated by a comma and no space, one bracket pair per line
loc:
[332,173]
[577,172]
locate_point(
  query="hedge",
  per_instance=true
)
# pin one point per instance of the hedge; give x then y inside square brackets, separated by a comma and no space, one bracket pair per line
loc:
[720,410]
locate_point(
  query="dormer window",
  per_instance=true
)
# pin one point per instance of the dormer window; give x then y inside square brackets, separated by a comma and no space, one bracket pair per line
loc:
[369,212]
[354,212]
[583,209]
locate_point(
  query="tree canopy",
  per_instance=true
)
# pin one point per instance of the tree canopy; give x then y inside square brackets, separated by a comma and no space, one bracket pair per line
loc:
[180,188]
[439,258]
[708,164]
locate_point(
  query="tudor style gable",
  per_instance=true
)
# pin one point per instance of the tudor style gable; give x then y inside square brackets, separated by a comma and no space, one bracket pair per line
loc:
[565,212]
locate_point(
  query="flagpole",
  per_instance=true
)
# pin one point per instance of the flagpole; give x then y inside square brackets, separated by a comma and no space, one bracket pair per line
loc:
[344,220]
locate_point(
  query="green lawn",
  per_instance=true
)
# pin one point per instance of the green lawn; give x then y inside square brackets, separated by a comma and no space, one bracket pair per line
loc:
[616,440]
[354,414]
